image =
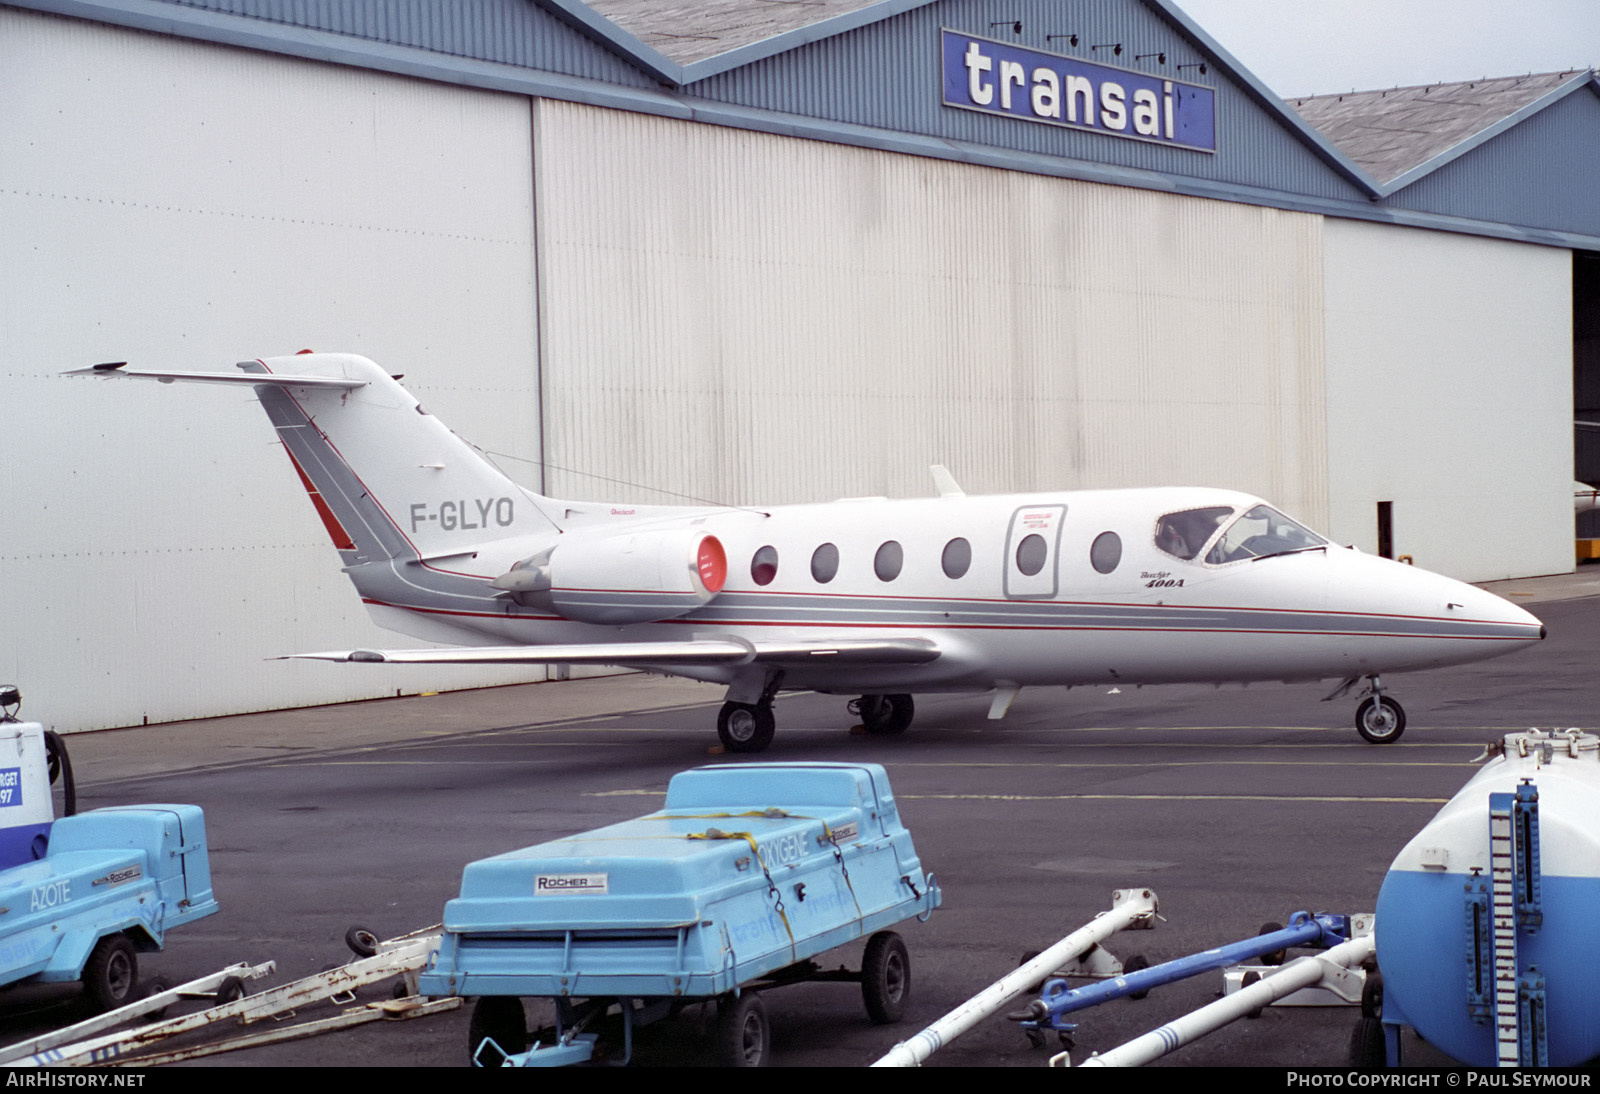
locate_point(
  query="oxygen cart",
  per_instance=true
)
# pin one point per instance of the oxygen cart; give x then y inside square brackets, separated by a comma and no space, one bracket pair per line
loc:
[748,873]
[81,896]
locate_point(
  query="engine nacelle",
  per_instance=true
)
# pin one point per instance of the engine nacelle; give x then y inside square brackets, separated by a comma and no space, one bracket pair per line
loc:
[620,579]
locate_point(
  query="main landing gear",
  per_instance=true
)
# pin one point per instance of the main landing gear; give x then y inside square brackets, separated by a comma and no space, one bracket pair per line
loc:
[1379,719]
[883,715]
[748,727]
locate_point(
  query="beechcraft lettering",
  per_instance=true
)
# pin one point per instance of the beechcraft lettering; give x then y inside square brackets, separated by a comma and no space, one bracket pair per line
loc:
[873,598]
[455,516]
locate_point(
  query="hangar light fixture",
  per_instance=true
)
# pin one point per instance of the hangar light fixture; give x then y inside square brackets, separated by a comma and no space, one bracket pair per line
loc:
[1161,58]
[1072,39]
[1016,25]
[1114,47]
[1201,65]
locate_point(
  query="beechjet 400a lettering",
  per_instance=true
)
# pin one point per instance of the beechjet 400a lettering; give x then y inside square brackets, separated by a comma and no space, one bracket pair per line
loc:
[875,598]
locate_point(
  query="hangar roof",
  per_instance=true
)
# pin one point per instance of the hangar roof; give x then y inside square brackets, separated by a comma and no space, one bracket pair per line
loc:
[693,30]
[1392,132]
[1506,158]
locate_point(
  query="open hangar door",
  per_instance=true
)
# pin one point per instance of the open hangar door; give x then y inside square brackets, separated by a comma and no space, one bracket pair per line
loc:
[1586,380]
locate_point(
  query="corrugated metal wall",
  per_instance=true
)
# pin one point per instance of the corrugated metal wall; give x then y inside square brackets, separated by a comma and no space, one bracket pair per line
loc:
[753,319]
[511,32]
[188,206]
[1449,394]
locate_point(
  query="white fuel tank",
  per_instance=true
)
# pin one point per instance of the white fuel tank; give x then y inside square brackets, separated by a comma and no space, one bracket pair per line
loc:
[1487,920]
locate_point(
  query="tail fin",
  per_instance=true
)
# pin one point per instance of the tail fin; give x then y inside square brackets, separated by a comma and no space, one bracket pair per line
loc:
[389,480]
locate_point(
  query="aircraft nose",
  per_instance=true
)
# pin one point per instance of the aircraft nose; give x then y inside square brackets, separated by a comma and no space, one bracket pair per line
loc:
[1495,609]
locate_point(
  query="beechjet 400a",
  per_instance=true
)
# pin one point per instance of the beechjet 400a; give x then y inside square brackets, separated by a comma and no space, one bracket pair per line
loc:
[875,598]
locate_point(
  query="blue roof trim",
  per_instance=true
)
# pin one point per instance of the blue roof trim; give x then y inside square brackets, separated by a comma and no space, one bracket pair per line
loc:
[1483,136]
[1301,129]
[225,29]
[583,18]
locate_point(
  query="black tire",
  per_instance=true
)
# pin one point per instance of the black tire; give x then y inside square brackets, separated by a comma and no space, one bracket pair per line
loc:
[154,986]
[745,727]
[1276,957]
[1134,964]
[60,765]
[1029,955]
[501,1019]
[1372,995]
[362,942]
[111,975]
[1380,720]
[1367,1049]
[887,715]
[229,990]
[1252,977]
[885,978]
[744,1037]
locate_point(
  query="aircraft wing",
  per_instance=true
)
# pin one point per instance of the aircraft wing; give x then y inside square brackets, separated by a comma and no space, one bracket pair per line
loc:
[699,651]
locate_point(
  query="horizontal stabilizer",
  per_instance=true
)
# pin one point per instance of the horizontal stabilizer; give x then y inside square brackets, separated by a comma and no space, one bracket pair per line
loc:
[247,379]
[702,651]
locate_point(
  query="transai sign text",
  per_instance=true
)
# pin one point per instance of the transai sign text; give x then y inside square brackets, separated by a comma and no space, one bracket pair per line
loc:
[997,78]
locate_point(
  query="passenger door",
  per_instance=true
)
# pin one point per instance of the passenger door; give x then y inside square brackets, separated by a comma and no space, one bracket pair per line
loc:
[1032,543]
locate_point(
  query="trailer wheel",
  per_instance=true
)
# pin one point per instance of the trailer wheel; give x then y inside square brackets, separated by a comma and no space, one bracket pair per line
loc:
[1134,964]
[362,942]
[1276,957]
[230,989]
[1367,1049]
[744,1038]
[885,977]
[111,975]
[501,1019]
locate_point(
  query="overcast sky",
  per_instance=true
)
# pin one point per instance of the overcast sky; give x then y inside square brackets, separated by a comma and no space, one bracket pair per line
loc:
[1307,47]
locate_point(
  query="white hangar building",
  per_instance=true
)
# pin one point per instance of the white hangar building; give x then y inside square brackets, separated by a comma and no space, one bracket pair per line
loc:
[745,252]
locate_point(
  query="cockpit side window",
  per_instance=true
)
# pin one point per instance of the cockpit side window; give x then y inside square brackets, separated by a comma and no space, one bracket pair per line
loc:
[1261,532]
[1183,534]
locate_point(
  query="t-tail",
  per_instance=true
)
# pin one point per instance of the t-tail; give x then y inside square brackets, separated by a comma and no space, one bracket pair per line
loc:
[390,481]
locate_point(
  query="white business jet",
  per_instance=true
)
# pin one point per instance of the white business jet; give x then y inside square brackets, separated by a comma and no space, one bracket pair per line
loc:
[871,597]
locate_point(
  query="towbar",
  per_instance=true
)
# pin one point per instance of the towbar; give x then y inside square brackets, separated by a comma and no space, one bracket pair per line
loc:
[1058,998]
[1337,964]
[1130,909]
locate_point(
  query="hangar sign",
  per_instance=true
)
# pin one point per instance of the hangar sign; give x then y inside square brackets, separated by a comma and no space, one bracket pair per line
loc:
[998,78]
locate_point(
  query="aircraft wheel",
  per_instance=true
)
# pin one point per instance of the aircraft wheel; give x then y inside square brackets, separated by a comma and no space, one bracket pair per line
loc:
[111,975]
[885,715]
[885,977]
[744,1037]
[745,727]
[1380,720]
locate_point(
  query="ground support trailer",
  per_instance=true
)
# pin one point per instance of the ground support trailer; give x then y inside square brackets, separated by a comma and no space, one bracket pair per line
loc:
[748,873]
[82,896]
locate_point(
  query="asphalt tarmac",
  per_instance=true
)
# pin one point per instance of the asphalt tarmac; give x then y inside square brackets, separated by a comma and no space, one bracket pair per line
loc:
[1236,806]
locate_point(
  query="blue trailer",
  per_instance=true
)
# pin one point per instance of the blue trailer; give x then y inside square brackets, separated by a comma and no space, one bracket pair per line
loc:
[748,873]
[82,896]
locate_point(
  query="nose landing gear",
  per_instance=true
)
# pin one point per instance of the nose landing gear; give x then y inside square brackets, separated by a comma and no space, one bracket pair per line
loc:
[1379,719]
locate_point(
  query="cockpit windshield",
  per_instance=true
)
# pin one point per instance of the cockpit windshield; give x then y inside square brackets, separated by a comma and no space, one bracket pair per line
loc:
[1184,534]
[1261,533]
